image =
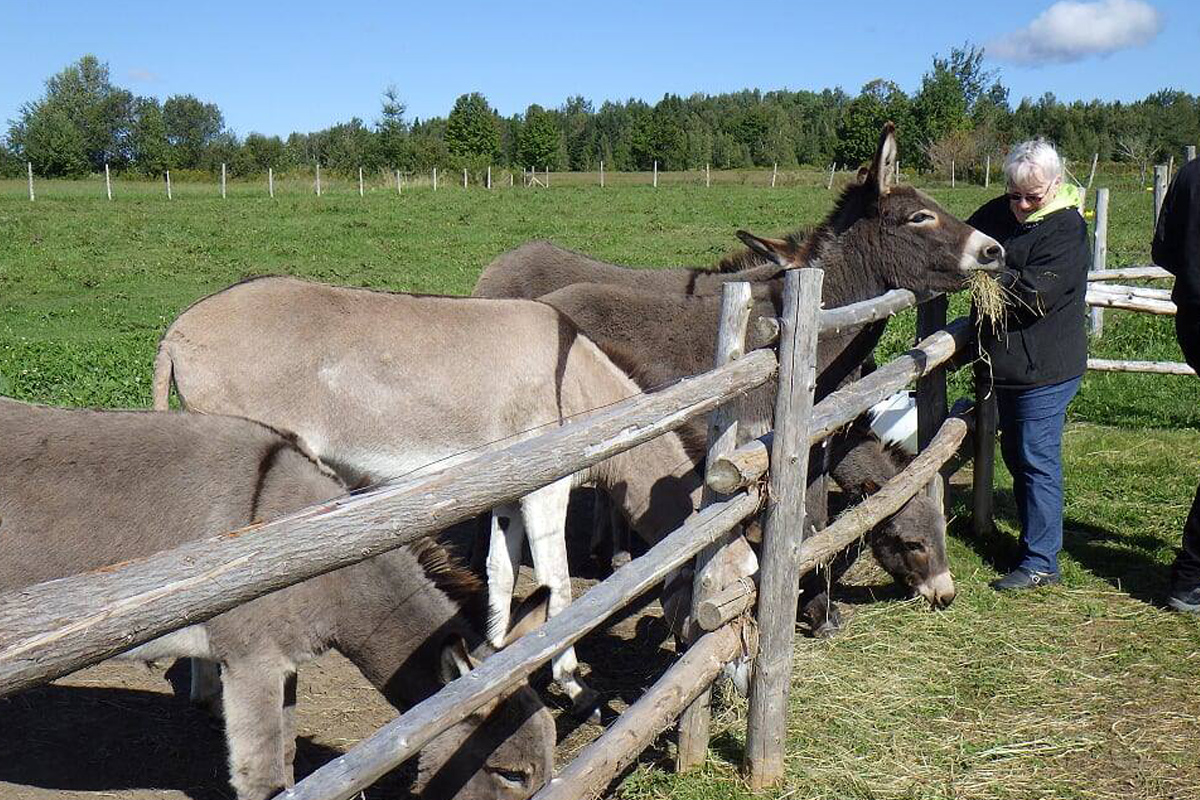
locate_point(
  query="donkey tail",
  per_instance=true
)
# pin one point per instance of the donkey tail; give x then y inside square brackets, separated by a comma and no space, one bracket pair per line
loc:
[164,374]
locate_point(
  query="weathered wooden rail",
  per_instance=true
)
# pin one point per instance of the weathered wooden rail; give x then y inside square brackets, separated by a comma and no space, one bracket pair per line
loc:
[57,627]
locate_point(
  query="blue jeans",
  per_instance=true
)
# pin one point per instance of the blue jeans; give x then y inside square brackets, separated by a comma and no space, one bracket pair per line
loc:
[1031,425]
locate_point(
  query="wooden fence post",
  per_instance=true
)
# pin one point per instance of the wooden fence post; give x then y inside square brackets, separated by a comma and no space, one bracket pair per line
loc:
[1160,190]
[736,304]
[107,181]
[774,173]
[29,168]
[271,181]
[222,180]
[1100,253]
[168,176]
[360,182]
[655,174]
[1092,174]
[987,171]
[547,176]
[435,179]
[832,168]
[779,579]
[952,173]
[983,468]
[601,174]
[489,177]
[318,179]
[931,392]
[707,176]
[464,177]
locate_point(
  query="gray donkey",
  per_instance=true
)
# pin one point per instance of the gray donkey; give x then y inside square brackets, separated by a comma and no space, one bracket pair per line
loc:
[378,385]
[81,489]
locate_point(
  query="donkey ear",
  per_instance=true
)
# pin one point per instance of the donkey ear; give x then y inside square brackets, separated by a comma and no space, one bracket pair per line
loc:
[774,250]
[885,159]
[456,659]
[863,173]
[532,613]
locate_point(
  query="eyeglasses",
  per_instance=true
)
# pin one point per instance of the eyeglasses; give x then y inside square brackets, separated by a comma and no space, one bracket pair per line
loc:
[1032,199]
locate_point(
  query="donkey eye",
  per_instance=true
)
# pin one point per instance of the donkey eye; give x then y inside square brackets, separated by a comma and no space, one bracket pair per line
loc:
[921,217]
[510,776]
[914,547]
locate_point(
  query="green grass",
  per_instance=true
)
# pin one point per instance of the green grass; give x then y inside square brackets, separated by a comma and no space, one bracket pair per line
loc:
[1082,691]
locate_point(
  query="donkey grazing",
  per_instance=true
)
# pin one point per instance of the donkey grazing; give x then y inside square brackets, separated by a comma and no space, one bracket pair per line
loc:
[83,489]
[379,385]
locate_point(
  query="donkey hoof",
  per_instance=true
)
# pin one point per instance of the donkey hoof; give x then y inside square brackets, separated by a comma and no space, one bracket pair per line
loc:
[586,706]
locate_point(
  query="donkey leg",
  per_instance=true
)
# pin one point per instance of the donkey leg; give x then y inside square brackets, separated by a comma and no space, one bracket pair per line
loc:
[205,683]
[253,692]
[289,729]
[545,513]
[503,561]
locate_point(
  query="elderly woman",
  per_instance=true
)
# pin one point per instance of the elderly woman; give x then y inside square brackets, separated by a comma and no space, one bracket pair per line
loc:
[1038,359]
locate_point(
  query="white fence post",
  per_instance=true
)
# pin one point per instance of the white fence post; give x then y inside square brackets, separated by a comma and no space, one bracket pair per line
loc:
[774,174]
[489,176]
[464,177]
[547,176]
[107,181]
[29,168]
[707,176]
[270,181]
[435,179]
[222,181]
[168,184]
[655,174]
[832,169]
[1160,190]
[360,182]
[1100,253]
[987,171]
[397,181]
[318,179]
[952,173]
[601,174]
[1092,174]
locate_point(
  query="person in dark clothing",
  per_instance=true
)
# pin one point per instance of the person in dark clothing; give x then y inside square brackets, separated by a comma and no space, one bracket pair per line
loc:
[1176,247]
[1039,357]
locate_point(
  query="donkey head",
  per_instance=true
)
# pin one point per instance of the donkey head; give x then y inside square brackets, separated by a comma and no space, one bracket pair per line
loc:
[504,749]
[888,237]
[919,245]
[911,547]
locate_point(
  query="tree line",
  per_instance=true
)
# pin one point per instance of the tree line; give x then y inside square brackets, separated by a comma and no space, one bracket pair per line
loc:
[960,113]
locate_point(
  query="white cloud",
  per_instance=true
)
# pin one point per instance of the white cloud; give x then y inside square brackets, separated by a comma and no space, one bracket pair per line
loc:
[1070,31]
[142,75]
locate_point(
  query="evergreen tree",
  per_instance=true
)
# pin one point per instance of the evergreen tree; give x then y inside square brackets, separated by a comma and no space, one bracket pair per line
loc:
[472,132]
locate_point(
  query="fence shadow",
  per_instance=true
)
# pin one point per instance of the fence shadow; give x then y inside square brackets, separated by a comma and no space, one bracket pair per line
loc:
[78,739]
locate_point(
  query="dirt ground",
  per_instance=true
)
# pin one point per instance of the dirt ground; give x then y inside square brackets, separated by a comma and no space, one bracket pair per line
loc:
[117,730]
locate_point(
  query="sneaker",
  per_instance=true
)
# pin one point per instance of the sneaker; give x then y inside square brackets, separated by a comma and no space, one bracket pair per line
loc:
[1021,578]
[1185,600]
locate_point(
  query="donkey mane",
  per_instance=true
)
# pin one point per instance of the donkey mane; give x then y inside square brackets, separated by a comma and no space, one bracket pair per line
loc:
[461,585]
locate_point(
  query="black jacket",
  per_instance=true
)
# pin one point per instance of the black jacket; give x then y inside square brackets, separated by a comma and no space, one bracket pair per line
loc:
[1046,265]
[1176,245]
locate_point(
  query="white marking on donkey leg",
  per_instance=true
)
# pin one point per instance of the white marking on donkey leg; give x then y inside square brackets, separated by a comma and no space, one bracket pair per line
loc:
[545,514]
[503,561]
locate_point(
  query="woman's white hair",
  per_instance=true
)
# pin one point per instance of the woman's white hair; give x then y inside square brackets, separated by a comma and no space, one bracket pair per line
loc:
[1031,162]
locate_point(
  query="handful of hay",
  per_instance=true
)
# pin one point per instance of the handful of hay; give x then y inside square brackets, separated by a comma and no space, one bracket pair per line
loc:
[990,298]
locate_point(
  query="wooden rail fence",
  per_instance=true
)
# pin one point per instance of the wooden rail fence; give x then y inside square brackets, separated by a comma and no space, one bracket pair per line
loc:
[54,628]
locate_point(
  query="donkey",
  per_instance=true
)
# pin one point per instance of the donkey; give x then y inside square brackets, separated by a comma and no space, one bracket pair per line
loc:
[878,237]
[378,385]
[82,489]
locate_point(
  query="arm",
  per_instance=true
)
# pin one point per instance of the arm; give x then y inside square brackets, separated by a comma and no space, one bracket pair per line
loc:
[1057,266]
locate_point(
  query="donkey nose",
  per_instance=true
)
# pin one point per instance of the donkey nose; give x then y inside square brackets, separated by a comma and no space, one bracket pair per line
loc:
[993,252]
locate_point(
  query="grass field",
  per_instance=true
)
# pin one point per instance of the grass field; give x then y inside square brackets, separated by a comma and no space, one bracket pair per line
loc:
[1086,690]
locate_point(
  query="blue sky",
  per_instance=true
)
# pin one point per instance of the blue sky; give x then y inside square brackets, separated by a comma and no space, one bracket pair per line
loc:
[275,68]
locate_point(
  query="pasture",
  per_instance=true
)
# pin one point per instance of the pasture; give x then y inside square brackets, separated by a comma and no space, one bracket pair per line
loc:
[1085,690]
